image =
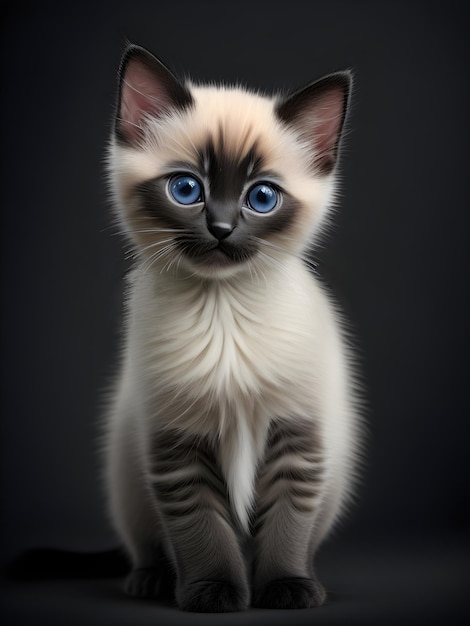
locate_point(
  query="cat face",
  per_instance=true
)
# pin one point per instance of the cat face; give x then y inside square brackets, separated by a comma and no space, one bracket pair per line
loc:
[218,179]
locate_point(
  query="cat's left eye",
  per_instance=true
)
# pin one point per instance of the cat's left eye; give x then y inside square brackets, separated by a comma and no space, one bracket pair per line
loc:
[262,198]
[185,189]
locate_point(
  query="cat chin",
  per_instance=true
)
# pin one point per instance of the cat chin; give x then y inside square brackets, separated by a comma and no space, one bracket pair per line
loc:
[216,266]
[215,262]
[215,271]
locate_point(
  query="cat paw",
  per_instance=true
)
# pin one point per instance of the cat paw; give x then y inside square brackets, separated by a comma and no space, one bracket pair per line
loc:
[290,593]
[213,596]
[148,582]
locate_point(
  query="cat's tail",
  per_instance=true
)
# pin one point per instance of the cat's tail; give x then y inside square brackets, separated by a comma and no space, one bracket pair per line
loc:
[48,563]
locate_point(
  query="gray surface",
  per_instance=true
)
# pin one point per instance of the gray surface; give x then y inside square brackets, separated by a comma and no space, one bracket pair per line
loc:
[420,581]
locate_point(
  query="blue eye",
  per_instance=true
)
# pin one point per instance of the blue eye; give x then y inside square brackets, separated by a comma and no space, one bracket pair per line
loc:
[185,189]
[262,198]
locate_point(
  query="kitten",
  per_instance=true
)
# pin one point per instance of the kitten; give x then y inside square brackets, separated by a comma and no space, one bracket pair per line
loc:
[232,428]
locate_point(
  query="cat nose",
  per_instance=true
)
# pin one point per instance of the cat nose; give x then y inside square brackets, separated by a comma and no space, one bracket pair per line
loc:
[220,230]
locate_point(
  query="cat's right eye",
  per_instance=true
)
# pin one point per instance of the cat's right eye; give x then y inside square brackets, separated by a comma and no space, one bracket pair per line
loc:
[185,189]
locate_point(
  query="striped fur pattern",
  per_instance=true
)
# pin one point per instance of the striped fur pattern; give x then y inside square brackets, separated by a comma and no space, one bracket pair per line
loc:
[232,435]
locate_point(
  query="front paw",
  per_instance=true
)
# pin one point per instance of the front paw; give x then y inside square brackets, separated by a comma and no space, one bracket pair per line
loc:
[148,582]
[212,596]
[290,593]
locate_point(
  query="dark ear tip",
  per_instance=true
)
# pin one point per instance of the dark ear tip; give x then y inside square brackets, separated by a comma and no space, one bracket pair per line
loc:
[348,77]
[133,51]
[130,52]
[343,79]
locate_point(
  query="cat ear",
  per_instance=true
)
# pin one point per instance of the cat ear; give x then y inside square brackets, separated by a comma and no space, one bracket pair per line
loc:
[318,112]
[146,87]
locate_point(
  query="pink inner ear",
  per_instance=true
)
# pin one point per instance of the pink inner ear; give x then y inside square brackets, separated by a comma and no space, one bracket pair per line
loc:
[141,94]
[327,117]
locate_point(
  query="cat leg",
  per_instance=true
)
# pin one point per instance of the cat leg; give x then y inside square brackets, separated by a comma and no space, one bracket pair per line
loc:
[135,519]
[193,502]
[289,491]
[153,581]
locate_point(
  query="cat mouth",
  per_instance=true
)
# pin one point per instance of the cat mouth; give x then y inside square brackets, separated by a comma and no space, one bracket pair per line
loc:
[218,255]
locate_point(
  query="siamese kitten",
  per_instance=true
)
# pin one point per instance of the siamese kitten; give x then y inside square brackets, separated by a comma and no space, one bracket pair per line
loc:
[232,435]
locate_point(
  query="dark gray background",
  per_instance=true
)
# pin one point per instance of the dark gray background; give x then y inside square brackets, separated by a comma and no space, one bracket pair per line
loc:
[397,259]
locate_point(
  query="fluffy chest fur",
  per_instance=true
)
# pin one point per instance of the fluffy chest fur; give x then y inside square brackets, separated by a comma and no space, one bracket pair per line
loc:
[225,342]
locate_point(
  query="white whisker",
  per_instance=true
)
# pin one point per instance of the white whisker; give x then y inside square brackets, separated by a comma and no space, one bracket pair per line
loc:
[143,249]
[157,256]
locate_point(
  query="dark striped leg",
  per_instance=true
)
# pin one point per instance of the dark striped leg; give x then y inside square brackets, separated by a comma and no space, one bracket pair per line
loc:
[192,500]
[289,488]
